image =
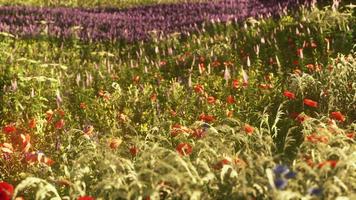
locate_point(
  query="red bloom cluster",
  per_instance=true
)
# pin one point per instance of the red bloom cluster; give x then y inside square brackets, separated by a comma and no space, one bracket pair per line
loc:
[220,164]
[289,95]
[10,128]
[331,163]
[178,129]
[199,89]
[350,135]
[206,118]
[184,149]
[32,123]
[310,103]
[59,124]
[337,116]
[86,198]
[235,84]
[211,100]
[230,99]
[6,190]
[198,133]
[314,138]
[38,157]
[133,151]
[248,129]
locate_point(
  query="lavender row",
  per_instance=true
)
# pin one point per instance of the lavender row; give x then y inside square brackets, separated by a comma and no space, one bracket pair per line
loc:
[131,24]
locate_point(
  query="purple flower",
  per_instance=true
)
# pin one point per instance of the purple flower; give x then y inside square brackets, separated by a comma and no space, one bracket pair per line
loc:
[315,191]
[290,175]
[132,24]
[280,183]
[280,169]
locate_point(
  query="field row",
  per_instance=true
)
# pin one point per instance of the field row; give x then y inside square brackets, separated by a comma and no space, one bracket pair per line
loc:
[133,24]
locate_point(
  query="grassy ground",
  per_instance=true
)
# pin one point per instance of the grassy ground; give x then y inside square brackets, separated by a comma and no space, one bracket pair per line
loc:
[263,109]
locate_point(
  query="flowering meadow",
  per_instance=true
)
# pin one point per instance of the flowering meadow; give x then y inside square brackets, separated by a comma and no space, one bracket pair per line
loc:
[230,99]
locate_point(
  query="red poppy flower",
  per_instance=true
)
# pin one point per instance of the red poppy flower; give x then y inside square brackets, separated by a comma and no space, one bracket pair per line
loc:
[248,129]
[338,116]
[31,157]
[230,99]
[311,138]
[61,112]
[206,118]
[301,118]
[86,198]
[198,89]
[211,100]
[289,95]
[198,133]
[59,124]
[47,161]
[178,129]
[314,138]
[308,159]
[332,163]
[310,67]
[350,135]
[323,139]
[294,115]
[32,123]
[184,149]
[295,62]
[134,151]
[6,190]
[235,84]
[221,163]
[10,128]
[310,103]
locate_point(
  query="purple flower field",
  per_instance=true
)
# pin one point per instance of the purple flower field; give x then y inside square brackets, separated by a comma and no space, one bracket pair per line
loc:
[109,24]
